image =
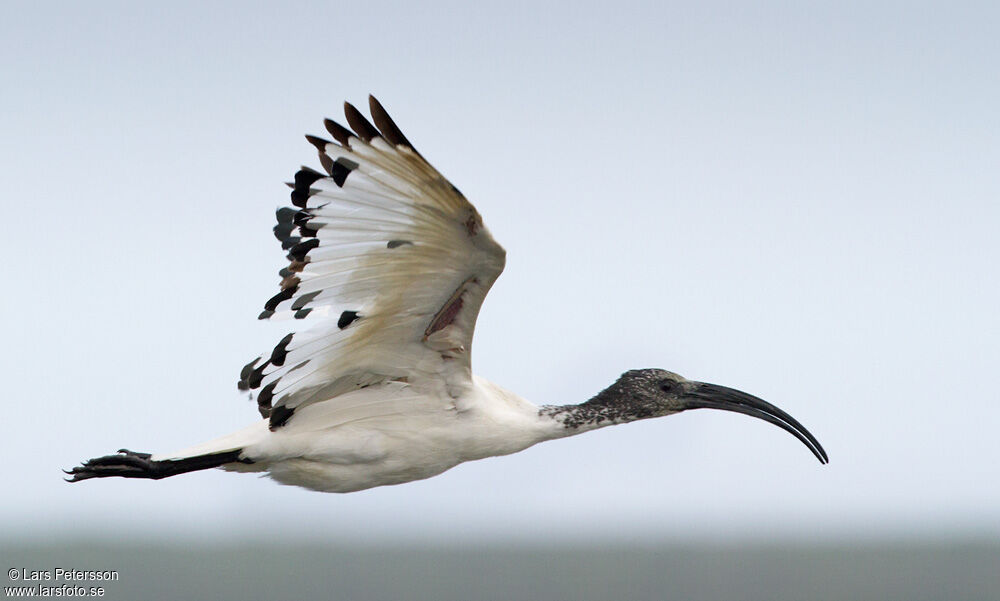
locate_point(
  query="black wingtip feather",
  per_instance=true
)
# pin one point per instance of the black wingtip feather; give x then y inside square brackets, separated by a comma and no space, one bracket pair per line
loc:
[256,377]
[327,162]
[285,214]
[280,351]
[304,178]
[265,395]
[318,142]
[277,299]
[245,372]
[279,415]
[283,230]
[305,299]
[339,172]
[365,130]
[301,217]
[339,132]
[390,131]
[300,250]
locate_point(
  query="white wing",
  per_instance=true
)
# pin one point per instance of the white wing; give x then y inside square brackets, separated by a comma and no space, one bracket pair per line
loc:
[390,262]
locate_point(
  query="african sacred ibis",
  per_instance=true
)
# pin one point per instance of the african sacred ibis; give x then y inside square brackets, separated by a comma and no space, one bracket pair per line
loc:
[392,263]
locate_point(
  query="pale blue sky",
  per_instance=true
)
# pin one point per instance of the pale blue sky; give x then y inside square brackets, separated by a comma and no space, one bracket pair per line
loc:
[795,199]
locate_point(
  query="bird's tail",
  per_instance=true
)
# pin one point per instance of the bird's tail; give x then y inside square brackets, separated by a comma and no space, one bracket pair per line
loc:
[227,451]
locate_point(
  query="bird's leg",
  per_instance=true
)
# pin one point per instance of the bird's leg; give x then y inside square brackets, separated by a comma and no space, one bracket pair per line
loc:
[126,464]
[130,464]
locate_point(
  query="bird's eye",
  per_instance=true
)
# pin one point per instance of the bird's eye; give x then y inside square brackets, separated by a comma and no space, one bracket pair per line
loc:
[667,385]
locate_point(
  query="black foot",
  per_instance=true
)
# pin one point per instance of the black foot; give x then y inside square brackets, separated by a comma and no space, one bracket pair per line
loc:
[127,464]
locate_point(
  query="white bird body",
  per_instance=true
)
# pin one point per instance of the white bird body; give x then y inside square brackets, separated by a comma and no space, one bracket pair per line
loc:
[386,434]
[391,264]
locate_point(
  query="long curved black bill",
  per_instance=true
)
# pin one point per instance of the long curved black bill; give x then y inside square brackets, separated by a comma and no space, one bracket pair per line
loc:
[711,396]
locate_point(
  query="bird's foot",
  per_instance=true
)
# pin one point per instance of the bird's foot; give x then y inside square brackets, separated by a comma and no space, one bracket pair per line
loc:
[126,464]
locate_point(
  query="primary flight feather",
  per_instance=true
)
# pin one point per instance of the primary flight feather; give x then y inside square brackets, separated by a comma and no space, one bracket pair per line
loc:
[390,264]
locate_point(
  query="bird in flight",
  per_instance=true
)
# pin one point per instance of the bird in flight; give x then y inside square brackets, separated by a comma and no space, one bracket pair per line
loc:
[390,264]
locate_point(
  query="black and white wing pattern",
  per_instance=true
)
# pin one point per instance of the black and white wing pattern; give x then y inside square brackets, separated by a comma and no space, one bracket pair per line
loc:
[388,260]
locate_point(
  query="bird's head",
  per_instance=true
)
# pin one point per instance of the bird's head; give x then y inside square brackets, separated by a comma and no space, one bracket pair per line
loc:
[644,393]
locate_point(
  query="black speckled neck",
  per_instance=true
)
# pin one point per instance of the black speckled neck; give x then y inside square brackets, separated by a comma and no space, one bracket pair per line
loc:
[611,406]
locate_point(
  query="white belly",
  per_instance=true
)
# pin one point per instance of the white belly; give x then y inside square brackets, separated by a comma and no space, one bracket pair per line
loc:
[395,434]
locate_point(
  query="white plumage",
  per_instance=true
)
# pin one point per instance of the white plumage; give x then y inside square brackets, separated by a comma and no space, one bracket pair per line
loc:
[389,266]
[388,434]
